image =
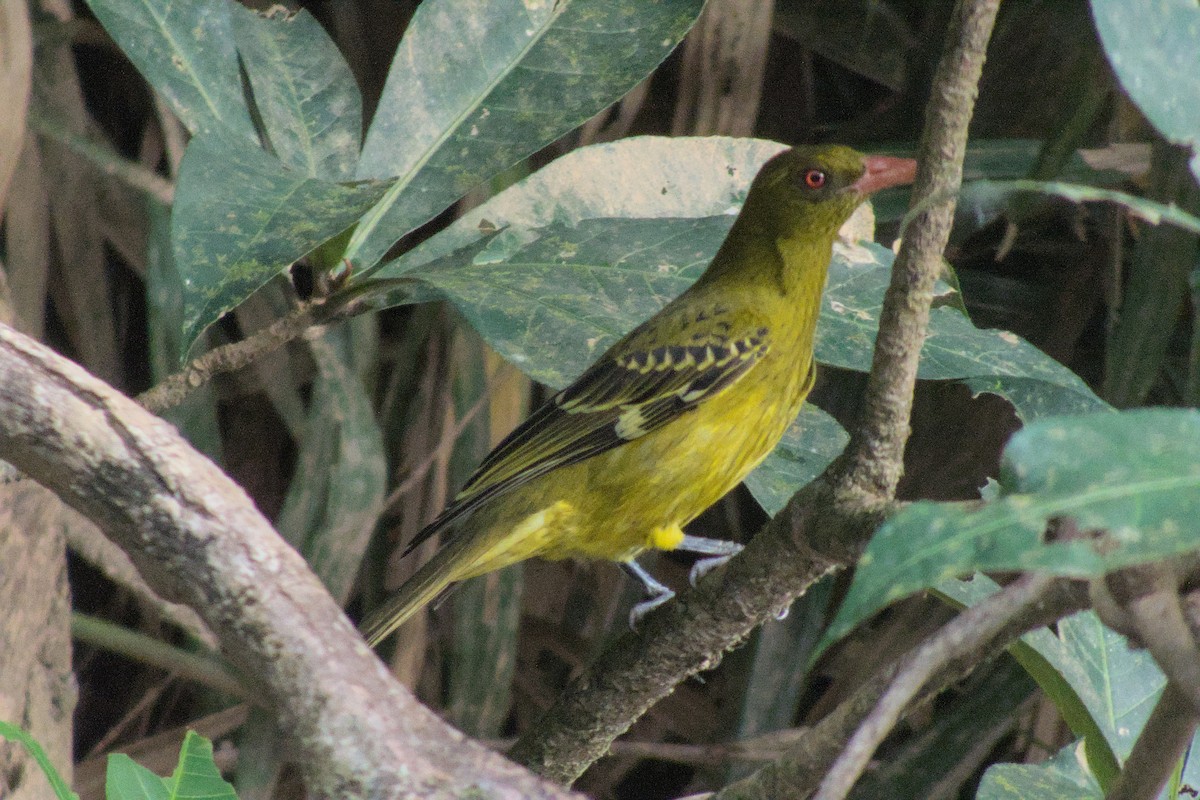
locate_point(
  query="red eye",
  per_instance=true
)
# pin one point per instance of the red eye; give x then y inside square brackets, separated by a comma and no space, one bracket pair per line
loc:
[814,179]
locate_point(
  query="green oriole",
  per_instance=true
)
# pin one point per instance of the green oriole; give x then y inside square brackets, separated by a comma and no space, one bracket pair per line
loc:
[674,414]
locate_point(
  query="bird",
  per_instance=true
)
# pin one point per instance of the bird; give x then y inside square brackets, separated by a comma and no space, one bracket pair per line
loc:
[673,415]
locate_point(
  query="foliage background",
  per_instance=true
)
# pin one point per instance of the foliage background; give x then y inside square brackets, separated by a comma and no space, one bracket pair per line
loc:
[417,397]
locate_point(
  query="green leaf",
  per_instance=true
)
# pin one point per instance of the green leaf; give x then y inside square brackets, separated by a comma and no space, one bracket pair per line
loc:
[15,734]
[126,779]
[1061,777]
[1152,49]
[1118,685]
[338,487]
[465,101]
[996,193]
[571,291]
[1035,398]
[988,360]
[240,218]
[1051,661]
[196,776]
[196,416]
[646,177]
[1131,480]
[306,96]
[186,52]
[812,441]
[555,303]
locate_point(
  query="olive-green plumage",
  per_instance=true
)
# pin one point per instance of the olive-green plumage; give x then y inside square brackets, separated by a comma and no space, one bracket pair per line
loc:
[674,414]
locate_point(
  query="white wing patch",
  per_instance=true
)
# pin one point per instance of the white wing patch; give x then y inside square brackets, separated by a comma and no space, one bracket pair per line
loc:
[631,424]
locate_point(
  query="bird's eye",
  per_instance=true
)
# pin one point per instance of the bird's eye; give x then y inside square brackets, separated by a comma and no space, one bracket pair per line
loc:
[814,178]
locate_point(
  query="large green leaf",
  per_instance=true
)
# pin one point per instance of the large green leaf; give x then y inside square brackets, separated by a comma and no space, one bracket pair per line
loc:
[186,52]
[477,85]
[125,779]
[305,94]
[1049,661]
[808,445]
[646,177]
[1118,684]
[196,776]
[685,189]
[1130,481]
[552,299]
[1153,49]
[987,360]
[1060,777]
[240,218]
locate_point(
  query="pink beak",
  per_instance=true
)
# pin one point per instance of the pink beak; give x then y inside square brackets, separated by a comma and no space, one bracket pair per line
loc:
[883,172]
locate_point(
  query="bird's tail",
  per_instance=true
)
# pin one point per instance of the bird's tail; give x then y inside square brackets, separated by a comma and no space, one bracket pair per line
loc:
[434,577]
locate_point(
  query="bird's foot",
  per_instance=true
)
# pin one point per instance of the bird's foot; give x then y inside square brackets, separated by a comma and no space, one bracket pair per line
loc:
[656,593]
[646,606]
[705,566]
[719,550]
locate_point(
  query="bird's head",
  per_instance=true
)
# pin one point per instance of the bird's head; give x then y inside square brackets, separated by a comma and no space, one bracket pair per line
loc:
[814,189]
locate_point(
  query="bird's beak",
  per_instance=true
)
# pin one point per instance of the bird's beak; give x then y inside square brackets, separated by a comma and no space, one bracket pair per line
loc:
[883,172]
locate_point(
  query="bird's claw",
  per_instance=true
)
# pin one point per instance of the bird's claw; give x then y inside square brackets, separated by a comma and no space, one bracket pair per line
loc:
[707,565]
[646,606]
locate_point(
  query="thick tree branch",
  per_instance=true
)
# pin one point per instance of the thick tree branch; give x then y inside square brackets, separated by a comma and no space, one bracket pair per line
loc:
[681,640]
[825,524]
[197,538]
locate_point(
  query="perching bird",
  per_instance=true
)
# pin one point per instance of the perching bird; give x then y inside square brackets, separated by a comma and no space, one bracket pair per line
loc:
[674,414]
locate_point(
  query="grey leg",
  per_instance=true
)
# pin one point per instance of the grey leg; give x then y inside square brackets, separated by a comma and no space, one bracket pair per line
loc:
[656,593]
[720,550]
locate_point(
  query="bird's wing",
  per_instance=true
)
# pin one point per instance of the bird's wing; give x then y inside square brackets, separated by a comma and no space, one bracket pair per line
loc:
[618,399]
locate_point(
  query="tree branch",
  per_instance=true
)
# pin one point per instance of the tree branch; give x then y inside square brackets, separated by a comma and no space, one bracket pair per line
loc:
[197,538]
[801,769]
[825,524]
[171,391]
[966,633]
[874,459]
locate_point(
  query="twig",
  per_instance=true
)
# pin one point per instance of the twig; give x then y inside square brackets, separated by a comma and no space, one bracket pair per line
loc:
[171,391]
[205,670]
[101,155]
[965,633]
